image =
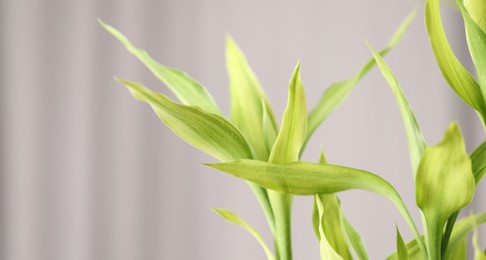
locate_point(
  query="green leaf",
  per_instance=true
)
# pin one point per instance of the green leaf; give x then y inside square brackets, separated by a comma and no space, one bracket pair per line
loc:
[331,223]
[205,131]
[294,123]
[233,218]
[286,149]
[478,253]
[462,229]
[461,251]
[250,109]
[187,90]
[476,37]
[341,234]
[337,93]
[478,160]
[304,178]
[401,247]
[454,72]
[413,251]
[477,11]
[327,251]
[355,240]
[449,165]
[416,142]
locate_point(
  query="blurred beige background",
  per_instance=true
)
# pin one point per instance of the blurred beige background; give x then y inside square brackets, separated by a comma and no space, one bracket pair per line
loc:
[87,172]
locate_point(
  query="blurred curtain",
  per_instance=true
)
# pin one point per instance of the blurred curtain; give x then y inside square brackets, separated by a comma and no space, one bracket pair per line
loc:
[89,173]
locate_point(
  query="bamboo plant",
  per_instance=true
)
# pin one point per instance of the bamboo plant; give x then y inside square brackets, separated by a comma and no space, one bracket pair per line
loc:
[251,146]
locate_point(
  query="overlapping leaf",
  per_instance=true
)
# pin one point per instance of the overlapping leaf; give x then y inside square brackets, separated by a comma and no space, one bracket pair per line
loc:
[187,90]
[337,93]
[250,109]
[207,132]
[462,229]
[235,219]
[326,249]
[286,149]
[476,37]
[454,72]
[303,178]
[444,185]
[478,160]
[331,223]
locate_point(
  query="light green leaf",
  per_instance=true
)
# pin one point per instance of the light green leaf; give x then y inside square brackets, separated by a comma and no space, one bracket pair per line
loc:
[286,149]
[340,233]
[476,37]
[401,247]
[233,218]
[449,165]
[304,178]
[207,132]
[477,11]
[461,251]
[416,142]
[478,160]
[478,253]
[462,229]
[331,223]
[250,109]
[413,251]
[355,240]
[327,251]
[454,72]
[294,123]
[337,93]
[187,90]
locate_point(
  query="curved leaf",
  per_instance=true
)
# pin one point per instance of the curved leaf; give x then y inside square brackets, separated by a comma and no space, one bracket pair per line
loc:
[327,251]
[249,104]
[304,178]
[478,160]
[187,90]
[205,131]
[476,37]
[337,93]
[331,223]
[462,229]
[355,240]
[449,165]
[235,219]
[478,253]
[416,142]
[477,11]
[454,72]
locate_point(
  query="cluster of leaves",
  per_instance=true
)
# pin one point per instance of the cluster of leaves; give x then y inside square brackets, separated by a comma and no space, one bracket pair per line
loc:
[252,147]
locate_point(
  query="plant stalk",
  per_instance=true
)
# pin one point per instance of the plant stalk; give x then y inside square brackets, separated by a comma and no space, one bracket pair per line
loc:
[282,208]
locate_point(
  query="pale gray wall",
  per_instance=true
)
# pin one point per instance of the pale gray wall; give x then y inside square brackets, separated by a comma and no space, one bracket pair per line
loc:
[90,173]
